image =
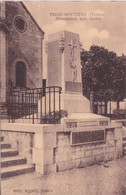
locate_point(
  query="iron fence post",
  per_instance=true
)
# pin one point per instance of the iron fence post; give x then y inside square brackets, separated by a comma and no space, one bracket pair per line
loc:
[54,105]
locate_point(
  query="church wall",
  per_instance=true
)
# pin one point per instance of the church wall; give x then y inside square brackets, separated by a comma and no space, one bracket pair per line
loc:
[2,66]
[2,57]
[2,9]
[24,46]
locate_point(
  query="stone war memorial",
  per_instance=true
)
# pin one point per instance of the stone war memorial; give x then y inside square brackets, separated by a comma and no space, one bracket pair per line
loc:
[64,69]
[38,138]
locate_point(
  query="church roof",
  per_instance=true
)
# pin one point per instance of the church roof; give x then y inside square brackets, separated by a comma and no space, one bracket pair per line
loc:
[32,18]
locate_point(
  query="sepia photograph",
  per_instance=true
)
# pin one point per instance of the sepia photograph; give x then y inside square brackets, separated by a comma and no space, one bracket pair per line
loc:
[63,97]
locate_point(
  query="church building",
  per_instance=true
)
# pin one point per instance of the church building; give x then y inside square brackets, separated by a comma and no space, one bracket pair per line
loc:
[20,49]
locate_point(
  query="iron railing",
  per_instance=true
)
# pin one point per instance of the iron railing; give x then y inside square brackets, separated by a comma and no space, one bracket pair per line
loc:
[38,105]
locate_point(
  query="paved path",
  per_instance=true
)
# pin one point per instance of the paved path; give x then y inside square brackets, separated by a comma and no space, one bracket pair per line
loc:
[104,179]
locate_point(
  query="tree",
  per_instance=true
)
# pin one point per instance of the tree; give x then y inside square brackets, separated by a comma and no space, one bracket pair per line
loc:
[103,73]
[119,81]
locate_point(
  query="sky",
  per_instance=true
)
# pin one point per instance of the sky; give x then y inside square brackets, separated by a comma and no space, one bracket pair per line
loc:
[108,30]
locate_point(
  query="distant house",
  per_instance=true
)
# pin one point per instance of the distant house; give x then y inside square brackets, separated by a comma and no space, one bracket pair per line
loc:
[99,108]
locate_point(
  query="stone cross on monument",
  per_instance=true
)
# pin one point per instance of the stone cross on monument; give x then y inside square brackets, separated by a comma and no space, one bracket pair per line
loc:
[73,59]
[64,70]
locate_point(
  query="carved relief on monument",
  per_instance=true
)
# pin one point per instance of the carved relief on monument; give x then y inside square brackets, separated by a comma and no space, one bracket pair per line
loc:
[72,59]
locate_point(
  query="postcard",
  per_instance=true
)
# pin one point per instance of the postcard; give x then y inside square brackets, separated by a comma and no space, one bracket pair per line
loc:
[62,97]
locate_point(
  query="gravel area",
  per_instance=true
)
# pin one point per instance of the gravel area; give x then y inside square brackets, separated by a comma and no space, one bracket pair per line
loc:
[103,179]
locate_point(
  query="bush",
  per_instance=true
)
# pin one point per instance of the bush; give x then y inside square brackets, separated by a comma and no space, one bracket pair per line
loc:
[54,117]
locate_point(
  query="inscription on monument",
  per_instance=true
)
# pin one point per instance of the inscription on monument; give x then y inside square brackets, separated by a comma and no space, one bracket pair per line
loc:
[87,137]
[71,124]
[103,123]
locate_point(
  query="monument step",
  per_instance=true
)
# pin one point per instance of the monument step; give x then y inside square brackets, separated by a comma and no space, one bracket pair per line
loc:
[28,120]
[9,152]
[86,116]
[16,170]
[5,145]
[13,161]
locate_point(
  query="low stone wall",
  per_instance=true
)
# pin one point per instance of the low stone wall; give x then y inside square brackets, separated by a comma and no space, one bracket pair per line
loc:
[50,147]
[123,123]
[69,156]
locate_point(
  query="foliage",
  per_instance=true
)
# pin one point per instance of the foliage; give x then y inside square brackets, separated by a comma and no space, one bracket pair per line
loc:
[119,80]
[54,116]
[103,73]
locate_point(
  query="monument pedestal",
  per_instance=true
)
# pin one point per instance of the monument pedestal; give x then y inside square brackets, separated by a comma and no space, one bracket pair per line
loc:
[74,103]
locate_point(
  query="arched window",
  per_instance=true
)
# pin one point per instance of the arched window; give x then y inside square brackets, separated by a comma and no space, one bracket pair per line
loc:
[20,74]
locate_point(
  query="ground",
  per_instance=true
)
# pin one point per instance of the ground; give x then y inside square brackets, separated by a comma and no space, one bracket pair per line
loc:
[103,179]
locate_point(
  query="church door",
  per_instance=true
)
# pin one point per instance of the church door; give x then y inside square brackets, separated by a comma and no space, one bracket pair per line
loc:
[20,74]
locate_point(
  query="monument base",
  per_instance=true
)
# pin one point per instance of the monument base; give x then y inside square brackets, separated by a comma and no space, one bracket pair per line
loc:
[85,120]
[75,103]
[86,116]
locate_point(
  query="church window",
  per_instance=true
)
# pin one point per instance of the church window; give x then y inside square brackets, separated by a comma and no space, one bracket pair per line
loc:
[20,74]
[20,24]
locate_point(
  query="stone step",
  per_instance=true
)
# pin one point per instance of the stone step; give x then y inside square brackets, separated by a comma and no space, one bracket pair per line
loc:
[5,145]
[1,138]
[13,161]
[124,138]
[16,170]
[9,152]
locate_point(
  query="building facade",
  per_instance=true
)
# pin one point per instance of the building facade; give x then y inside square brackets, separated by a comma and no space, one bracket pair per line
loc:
[20,49]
